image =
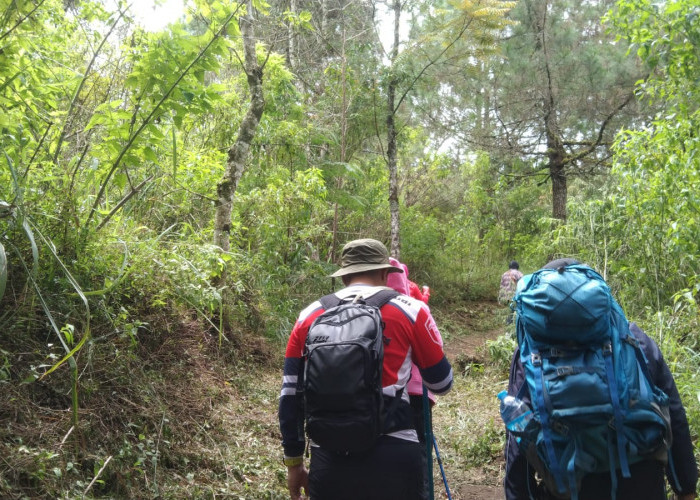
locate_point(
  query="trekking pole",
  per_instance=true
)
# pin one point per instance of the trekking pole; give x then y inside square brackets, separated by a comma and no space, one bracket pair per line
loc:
[442,469]
[428,429]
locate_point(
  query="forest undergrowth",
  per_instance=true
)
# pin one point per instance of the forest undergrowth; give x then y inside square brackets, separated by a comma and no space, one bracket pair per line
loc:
[175,416]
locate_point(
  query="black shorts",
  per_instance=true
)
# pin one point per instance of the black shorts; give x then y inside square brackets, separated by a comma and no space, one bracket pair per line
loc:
[419,416]
[647,483]
[393,470]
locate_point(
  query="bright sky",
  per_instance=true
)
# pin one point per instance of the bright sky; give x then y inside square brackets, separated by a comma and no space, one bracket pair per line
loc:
[156,17]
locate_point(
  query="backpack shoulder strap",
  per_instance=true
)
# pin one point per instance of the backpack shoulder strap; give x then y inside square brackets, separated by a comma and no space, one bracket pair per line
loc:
[330,300]
[381,297]
[377,299]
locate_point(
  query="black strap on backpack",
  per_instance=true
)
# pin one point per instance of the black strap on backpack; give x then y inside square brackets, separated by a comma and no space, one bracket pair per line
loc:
[377,299]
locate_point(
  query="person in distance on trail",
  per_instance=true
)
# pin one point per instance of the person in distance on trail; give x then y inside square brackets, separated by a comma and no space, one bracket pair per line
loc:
[393,469]
[401,283]
[509,281]
[647,481]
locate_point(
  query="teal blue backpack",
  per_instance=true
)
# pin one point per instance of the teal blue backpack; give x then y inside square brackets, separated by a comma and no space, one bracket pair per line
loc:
[591,393]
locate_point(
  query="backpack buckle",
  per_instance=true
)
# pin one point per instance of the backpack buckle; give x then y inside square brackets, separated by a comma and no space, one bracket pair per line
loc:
[556,353]
[536,359]
[560,428]
[607,349]
[563,371]
[632,340]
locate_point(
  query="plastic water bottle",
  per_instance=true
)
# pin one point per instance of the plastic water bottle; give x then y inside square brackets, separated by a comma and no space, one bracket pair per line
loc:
[516,414]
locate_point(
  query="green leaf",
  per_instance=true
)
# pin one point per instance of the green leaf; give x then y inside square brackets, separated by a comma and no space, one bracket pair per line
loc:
[3,270]
[155,131]
[132,81]
[120,180]
[13,173]
[97,119]
[149,154]
[113,146]
[35,250]
[68,332]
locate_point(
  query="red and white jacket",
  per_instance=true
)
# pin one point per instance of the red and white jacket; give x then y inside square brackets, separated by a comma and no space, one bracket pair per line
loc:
[413,337]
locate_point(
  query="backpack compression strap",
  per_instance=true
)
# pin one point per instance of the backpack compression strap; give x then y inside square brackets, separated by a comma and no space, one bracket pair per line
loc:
[538,379]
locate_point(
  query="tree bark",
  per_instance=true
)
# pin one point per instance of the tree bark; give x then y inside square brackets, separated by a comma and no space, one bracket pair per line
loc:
[292,37]
[343,137]
[556,163]
[556,157]
[391,142]
[238,152]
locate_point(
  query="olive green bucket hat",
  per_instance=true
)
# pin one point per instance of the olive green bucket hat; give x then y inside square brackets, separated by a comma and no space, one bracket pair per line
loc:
[363,255]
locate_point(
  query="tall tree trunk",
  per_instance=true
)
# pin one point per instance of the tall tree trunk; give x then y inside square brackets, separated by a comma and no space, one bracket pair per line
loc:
[343,136]
[292,37]
[555,148]
[483,112]
[558,175]
[391,142]
[324,20]
[556,156]
[238,152]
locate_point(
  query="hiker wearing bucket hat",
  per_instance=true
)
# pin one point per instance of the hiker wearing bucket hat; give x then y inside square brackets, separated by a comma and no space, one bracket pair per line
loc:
[360,256]
[393,467]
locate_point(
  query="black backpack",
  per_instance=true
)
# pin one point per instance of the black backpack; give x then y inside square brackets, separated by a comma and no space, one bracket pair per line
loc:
[342,377]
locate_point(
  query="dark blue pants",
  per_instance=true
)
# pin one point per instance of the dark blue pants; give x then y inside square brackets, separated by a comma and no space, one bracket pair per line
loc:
[393,470]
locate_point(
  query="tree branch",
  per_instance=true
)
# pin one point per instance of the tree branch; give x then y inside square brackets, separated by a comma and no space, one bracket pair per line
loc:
[123,201]
[2,37]
[599,139]
[147,120]
[80,87]
[432,62]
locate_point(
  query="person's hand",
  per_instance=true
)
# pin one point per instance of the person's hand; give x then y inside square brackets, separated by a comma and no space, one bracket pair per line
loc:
[297,478]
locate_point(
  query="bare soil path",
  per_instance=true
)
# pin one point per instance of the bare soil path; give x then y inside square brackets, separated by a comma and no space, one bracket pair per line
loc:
[469,414]
[475,324]
[466,421]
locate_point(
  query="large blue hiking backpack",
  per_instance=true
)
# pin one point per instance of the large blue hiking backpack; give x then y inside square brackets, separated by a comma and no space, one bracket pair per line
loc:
[592,396]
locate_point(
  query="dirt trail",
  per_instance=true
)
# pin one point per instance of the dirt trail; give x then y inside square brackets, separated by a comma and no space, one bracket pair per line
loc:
[463,419]
[478,323]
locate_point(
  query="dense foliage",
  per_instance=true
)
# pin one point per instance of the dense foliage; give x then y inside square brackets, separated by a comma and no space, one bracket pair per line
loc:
[114,139]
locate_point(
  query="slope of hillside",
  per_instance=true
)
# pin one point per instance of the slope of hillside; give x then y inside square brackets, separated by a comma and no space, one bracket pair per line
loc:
[175,416]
